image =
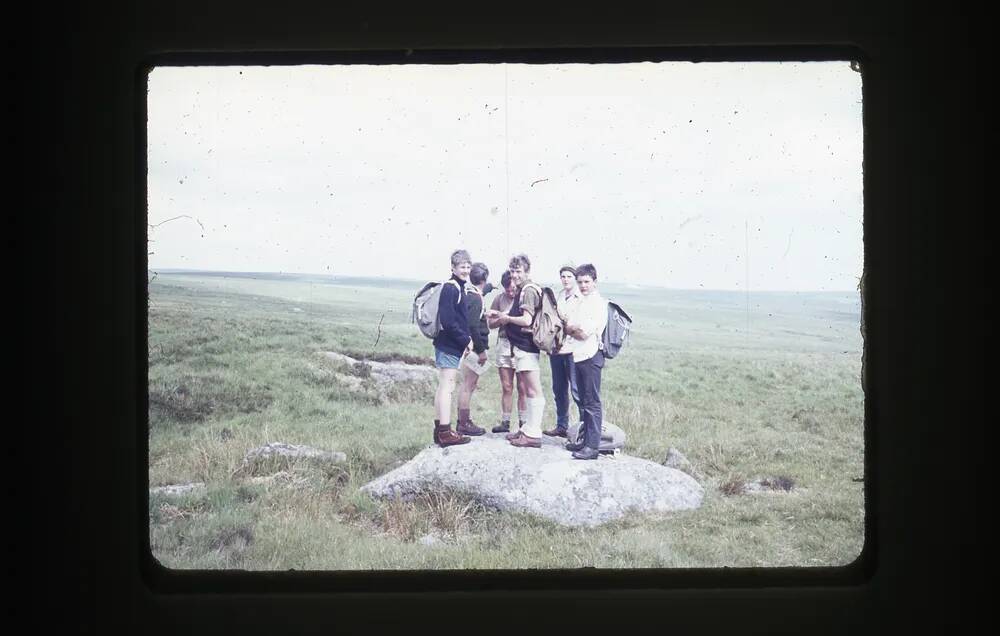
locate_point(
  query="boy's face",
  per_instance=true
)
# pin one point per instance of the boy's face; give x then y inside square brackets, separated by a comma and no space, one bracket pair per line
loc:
[462,270]
[511,290]
[567,278]
[586,284]
[518,275]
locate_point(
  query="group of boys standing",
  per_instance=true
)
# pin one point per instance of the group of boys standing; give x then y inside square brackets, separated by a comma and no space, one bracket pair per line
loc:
[576,367]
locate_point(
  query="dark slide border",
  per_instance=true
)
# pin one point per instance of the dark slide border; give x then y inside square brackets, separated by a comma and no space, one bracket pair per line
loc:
[161,579]
[924,301]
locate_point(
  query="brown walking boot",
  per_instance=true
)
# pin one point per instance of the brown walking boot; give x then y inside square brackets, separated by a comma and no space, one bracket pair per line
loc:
[502,427]
[467,427]
[526,442]
[444,436]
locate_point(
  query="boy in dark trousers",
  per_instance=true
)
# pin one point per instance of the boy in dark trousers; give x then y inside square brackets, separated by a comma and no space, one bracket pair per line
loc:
[585,322]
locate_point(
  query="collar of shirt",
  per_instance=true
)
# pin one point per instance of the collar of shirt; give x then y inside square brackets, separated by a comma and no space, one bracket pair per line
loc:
[562,301]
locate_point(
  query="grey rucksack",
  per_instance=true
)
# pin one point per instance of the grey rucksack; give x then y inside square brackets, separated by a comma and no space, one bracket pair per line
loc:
[425,308]
[616,333]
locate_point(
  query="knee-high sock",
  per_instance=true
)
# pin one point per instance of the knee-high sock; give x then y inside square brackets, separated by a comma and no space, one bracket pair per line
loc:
[536,411]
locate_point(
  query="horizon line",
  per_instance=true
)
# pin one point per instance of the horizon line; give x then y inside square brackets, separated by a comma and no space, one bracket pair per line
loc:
[169,270]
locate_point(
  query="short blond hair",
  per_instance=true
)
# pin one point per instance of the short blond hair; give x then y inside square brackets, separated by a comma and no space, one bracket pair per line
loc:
[460,256]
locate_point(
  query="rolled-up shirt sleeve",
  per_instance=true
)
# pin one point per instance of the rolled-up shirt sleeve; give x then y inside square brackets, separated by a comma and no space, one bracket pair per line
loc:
[530,300]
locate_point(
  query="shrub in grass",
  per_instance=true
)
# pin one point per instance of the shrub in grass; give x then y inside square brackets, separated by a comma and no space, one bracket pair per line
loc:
[195,398]
[734,485]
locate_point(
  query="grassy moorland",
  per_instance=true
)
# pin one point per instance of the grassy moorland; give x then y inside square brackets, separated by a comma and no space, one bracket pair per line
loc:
[234,364]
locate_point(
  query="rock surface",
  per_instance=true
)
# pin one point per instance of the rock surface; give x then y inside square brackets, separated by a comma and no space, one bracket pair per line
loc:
[546,481]
[177,489]
[387,372]
[277,455]
[676,459]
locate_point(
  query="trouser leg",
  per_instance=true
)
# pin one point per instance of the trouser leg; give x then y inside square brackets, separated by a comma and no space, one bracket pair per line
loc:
[588,373]
[573,388]
[560,386]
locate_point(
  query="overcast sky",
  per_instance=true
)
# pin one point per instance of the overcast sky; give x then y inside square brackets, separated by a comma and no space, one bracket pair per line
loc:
[681,175]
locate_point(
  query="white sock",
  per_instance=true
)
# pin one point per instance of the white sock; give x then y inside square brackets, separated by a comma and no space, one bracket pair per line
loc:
[536,411]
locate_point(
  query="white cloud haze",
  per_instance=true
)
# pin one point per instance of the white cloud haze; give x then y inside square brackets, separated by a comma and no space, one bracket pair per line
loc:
[671,174]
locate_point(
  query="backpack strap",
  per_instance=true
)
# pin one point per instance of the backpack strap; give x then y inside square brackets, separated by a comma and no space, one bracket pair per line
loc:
[452,281]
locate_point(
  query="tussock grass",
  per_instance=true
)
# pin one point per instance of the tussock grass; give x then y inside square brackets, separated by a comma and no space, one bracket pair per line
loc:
[233,367]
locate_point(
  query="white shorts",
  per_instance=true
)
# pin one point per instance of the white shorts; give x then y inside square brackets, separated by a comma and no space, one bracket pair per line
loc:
[525,361]
[503,359]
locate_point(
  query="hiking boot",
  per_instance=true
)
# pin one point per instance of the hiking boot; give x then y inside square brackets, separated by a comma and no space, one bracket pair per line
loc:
[513,436]
[502,427]
[526,442]
[469,428]
[558,431]
[444,436]
[575,446]
[586,453]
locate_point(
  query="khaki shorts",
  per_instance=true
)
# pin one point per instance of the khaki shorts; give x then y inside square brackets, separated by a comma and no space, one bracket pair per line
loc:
[503,359]
[524,361]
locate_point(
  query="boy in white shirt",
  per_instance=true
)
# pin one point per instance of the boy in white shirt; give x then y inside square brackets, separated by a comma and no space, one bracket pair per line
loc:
[585,323]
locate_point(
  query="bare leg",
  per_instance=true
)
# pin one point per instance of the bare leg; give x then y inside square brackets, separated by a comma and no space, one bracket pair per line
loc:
[507,388]
[532,382]
[442,399]
[522,405]
[470,380]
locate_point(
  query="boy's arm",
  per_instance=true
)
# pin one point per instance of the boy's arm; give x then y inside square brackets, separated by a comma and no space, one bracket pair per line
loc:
[593,320]
[524,320]
[494,322]
[529,301]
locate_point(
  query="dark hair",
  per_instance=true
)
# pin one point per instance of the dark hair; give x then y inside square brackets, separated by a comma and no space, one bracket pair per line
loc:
[567,268]
[460,256]
[586,270]
[479,273]
[505,279]
[520,260]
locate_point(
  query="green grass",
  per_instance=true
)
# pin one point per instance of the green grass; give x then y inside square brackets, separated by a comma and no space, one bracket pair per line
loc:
[233,364]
